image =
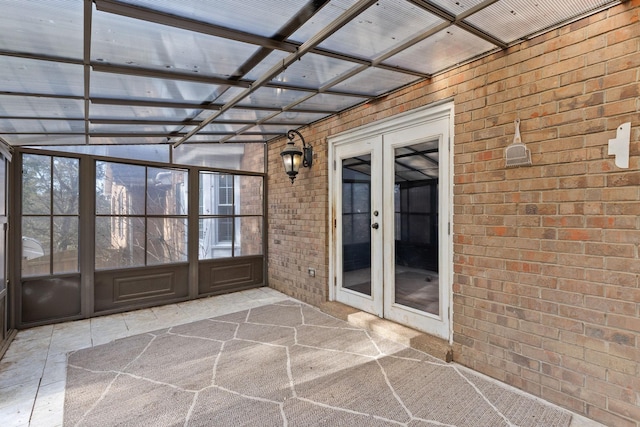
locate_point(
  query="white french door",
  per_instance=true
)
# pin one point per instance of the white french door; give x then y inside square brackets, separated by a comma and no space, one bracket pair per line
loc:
[391,195]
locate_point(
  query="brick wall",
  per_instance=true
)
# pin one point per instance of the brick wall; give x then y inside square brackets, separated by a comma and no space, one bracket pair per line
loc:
[546,258]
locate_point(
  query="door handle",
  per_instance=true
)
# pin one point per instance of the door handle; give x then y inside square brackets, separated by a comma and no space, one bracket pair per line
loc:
[375,225]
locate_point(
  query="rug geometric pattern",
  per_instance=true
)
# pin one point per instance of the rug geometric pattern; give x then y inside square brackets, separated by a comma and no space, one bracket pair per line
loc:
[283,364]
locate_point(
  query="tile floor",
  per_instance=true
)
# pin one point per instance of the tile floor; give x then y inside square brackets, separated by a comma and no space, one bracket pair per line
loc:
[33,371]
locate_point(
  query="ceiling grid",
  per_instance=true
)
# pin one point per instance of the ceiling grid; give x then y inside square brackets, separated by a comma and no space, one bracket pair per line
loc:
[84,72]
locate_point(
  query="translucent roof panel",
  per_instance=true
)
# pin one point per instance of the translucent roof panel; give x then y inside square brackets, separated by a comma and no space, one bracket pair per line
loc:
[48,27]
[41,77]
[296,117]
[324,17]
[510,20]
[323,101]
[280,129]
[456,7]
[428,56]
[258,70]
[126,140]
[133,128]
[247,138]
[247,157]
[51,139]
[108,85]
[41,126]
[268,97]
[155,71]
[237,114]
[153,153]
[128,112]
[263,17]
[41,107]
[375,81]
[133,42]
[314,71]
[380,28]
[199,138]
[223,127]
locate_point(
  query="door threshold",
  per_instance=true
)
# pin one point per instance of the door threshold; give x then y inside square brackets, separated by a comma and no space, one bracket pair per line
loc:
[430,344]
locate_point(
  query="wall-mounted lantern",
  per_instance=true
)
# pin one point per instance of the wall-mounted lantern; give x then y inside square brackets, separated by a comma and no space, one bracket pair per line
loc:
[293,157]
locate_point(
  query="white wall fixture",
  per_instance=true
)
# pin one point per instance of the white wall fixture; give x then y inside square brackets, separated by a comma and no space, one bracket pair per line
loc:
[517,153]
[619,146]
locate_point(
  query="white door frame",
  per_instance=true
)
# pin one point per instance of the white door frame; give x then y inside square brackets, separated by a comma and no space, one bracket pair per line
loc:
[420,120]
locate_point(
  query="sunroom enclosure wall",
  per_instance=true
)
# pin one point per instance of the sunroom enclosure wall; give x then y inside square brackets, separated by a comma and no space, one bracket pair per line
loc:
[102,235]
[546,291]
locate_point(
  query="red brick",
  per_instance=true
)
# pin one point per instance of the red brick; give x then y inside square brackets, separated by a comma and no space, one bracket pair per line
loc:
[546,266]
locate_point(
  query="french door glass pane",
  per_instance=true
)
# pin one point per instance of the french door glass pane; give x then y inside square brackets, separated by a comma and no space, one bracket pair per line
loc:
[416,233]
[356,217]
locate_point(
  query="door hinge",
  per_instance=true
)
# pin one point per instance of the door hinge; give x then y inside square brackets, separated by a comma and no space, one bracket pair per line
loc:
[449,228]
[449,144]
[334,165]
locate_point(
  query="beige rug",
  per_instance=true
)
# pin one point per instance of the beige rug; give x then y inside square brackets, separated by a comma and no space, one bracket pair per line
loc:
[284,364]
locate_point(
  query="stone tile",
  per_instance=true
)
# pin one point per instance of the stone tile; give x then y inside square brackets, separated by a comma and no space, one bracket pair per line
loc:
[16,403]
[107,329]
[49,405]
[34,333]
[24,371]
[55,369]
[63,344]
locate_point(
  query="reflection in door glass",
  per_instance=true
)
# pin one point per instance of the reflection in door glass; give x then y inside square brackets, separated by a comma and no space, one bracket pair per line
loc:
[356,232]
[416,226]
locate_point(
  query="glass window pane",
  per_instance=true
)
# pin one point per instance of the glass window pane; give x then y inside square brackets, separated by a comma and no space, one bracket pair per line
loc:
[36,184]
[3,186]
[249,236]
[166,192]
[36,232]
[120,189]
[249,195]
[361,197]
[119,242]
[215,238]
[65,244]
[153,153]
[66,178]
[224,193]
[166,240]
[246,157]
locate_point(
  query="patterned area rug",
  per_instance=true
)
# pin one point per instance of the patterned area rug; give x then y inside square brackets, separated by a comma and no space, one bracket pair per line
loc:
[284,364]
